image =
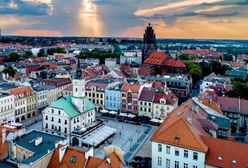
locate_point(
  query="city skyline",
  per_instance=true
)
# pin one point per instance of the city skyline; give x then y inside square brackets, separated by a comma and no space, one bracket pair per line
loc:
[210,19]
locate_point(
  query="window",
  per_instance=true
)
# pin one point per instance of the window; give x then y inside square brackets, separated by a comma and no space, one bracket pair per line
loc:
[194,166]
[52,110]
[195,156]
[59,111]
[59,121]
[159,147]
[65,130]
[65,122]
[176,164]
[186,153]
[176,152]
[168,149]
[46,117]
[185,165]
[167,163]
[159,161]
[73,159]
[52,119]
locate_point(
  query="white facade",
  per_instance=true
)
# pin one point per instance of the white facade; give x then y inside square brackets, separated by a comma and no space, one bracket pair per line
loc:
[161,109]
[7,108]
[110,63]
[130,57]
[168,156]
[59,120]
[42,98]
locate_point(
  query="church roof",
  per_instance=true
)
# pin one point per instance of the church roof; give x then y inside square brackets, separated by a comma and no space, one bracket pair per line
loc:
[65,103]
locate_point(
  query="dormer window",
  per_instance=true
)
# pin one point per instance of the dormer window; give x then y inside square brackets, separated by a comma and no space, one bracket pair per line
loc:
[219,158]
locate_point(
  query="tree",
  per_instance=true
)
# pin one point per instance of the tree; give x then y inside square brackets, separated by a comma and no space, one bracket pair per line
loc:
[14,57]
[41,53]
[184,56]
[9,70]
[28,54]
[194,70]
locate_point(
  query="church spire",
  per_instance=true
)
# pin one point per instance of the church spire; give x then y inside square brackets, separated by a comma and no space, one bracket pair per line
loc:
[78,71]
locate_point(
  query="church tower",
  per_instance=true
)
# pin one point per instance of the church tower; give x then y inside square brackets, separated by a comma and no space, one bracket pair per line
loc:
[78,90]
[149,42]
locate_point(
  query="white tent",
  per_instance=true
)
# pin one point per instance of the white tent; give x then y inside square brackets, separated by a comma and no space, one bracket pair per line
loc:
[123,114]
[113,112]
[104,111]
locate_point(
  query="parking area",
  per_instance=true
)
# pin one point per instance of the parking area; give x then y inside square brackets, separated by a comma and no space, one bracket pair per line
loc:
[129,137]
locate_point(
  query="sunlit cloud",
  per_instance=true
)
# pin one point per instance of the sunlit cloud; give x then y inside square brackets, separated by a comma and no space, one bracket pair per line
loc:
[215,8]
[172,6]
[90,21]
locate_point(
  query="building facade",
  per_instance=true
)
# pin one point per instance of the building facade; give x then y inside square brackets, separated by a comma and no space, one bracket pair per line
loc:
[7,108]
[70,113]
[113,98]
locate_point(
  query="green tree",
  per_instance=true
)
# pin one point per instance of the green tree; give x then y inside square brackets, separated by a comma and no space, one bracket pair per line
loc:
[28,54]
[14,57]
[41,53]
[9,70]
[184,56]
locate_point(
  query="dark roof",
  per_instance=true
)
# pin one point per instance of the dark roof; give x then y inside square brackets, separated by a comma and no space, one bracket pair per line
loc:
[147,94]
[48,143]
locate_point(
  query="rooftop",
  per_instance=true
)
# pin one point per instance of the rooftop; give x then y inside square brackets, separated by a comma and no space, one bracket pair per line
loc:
[65,103]
[27,141]
[226,153]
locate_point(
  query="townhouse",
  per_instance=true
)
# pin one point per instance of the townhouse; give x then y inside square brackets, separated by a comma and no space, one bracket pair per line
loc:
[95,91]
[25,102]
[7,108]
[113,98]
[130,97]
[164,102]
[145,102]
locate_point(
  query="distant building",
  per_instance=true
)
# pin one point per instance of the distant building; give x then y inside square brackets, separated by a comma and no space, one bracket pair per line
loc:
[131,57]
[164,63]
[179,84]
[110,63]
[149,42]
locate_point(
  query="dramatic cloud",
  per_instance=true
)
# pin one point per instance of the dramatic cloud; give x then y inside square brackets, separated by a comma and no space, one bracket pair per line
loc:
[26,7]
[170,18]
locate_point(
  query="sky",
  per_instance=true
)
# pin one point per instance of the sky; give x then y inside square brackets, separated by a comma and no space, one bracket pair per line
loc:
[218,19]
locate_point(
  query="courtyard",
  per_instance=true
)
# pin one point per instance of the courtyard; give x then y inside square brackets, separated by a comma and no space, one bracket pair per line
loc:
[129,137]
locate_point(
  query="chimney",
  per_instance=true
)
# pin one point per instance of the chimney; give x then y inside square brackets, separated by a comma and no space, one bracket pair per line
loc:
[108,160]
[62,152]
[189,119]
[3,135]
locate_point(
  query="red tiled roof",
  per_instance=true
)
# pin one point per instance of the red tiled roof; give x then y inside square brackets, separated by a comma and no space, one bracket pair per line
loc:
[25,91]
[156,58]
[225,153]
[133,87]
[175,63]
[66,160]
[176,129]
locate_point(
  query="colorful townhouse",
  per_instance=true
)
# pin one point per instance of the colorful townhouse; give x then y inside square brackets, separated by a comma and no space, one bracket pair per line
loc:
[113,98]
[130,98]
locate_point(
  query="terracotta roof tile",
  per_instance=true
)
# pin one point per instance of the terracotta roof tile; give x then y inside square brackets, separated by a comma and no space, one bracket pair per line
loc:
[133,87]
[225,153]
[25,91]
[177,130]
[175,63]
[156,58]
